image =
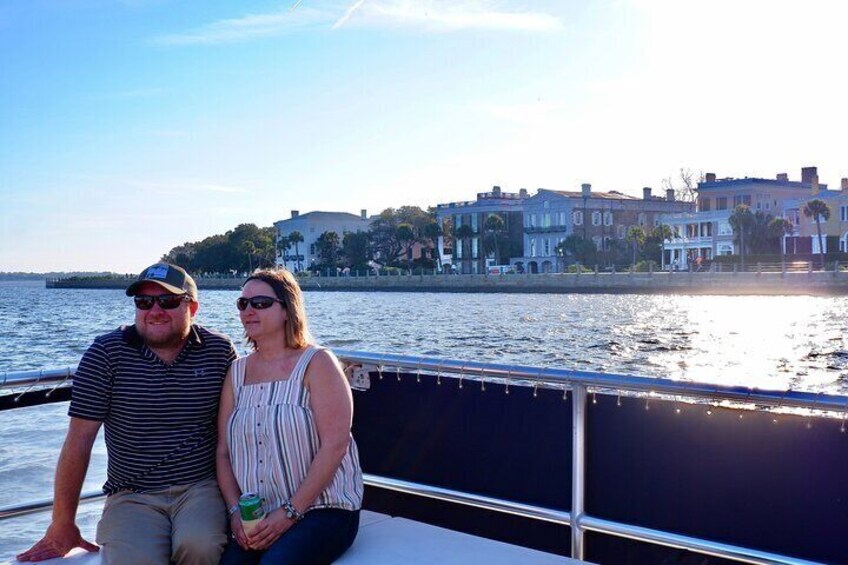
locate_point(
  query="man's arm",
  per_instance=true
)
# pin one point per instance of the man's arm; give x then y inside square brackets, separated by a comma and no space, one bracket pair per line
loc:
[63,534]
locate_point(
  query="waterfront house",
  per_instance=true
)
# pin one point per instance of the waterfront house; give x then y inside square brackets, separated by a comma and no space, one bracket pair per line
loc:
[472,249]
[604,218]
[707,233]
[834,229]
[310,226]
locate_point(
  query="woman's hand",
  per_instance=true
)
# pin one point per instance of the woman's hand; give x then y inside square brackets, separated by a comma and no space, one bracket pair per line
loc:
[269,530]
[238,530]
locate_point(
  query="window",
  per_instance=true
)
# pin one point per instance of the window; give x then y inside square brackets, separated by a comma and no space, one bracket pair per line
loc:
[596,218]
[577,217]
[724,229]
[656,222]
[643,218]
[546,204]
[721,203]
[741,199]
[607,218]
[562,218]
[843,213]
[597,241]
[546,219]
[532,247]
[621,232]
[474,243]
[532,220]
[474,222]
[547,246]
[704,204]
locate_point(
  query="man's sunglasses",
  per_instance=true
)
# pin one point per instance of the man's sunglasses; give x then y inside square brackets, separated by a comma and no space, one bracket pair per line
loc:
[257,302]
[165,301]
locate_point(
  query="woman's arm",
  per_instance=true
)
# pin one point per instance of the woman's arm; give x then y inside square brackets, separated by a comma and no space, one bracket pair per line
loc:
[226,479]
[332,407]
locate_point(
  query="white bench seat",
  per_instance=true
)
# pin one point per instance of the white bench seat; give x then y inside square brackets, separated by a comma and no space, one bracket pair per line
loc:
[384,540]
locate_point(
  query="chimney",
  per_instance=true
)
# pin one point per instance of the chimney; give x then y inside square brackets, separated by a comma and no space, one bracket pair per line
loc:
[669,194]
[522,193]
[586,189]
[496,190]
[363,214]
[295,214]
[782,177]
[709,177]
[646,193]
[844,186]
[807,174]
[815,183]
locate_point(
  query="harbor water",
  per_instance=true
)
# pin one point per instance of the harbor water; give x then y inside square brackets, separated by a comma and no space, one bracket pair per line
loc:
[766,342]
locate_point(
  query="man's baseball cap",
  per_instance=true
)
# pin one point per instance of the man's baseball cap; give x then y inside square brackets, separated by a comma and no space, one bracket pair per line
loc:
[170,277]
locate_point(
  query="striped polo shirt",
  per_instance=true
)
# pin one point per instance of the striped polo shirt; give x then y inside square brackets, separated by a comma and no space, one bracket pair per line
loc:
[159,420]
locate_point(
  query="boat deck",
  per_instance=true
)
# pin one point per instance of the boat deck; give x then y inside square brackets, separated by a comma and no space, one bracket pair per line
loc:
[387,540]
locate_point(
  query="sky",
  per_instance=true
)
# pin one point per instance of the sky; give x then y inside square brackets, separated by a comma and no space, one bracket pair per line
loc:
[128,127]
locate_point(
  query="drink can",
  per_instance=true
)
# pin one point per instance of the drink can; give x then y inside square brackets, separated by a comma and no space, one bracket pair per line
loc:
[250,507]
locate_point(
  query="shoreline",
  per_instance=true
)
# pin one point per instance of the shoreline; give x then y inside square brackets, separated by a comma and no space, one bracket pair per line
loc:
[819,283]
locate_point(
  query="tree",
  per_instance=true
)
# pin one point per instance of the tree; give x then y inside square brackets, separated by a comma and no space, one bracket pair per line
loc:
[657,238]
[777,229]
[493,229]
[687,185]
[581,249]
[636,237]
[355,250]
[406,237]
[296,237]
[819,210]
[742,221]
[432,232]
[327,247]
[283,245]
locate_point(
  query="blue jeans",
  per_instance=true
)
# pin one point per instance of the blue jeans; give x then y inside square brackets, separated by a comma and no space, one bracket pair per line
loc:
[322,536]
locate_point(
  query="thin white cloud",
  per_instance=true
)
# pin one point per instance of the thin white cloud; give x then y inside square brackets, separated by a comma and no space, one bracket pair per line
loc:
[433,16]
[252,26]
[457,15]
[347,15]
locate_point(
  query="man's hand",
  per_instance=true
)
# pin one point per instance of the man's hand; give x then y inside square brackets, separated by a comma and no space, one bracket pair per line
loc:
[57,542]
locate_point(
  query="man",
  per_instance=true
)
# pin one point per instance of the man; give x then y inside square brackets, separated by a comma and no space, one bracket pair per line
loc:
[154,386]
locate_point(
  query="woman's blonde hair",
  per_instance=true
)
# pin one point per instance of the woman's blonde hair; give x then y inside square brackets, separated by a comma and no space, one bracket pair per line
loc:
[288,291]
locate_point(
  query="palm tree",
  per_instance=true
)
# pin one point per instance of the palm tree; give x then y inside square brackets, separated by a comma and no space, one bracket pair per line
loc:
[494,226]
[741,220]
[283,245]
[296,237]
[663,232]
[778,228]
[463,233]
[432,231]
[818,209]
[636,237]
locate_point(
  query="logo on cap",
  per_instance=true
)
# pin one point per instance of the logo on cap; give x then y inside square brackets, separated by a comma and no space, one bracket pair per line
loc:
[157,272]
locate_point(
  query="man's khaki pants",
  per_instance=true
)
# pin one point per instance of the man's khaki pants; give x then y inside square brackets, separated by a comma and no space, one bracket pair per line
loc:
[184,524]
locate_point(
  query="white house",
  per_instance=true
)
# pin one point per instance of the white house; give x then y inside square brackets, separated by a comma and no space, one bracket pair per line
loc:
[311,225]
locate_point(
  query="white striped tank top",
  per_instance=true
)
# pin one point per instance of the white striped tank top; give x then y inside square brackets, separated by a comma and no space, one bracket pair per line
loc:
[273,439]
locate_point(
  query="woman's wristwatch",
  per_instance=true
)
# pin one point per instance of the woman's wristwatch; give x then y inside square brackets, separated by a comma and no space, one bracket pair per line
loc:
[232,510]
[291,512]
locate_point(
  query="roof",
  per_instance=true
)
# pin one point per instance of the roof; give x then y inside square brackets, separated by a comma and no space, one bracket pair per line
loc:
[611,195]
[731,182]
[332,216]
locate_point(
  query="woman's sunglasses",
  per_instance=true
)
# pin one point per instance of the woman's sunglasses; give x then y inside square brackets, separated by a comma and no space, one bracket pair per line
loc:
[257,302]
[165,301]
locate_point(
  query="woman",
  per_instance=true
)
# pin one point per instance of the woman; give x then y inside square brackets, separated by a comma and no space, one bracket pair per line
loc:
[284,434]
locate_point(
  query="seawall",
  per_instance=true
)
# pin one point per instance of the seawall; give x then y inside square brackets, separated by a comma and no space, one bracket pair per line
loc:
[822,283]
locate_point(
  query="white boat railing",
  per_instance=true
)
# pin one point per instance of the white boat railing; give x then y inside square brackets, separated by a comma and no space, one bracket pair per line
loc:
[580,384]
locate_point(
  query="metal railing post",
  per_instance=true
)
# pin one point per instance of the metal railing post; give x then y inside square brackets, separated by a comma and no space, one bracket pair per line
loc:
[578,468]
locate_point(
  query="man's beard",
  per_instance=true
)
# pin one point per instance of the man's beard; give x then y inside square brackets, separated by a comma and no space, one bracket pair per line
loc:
[171,339]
